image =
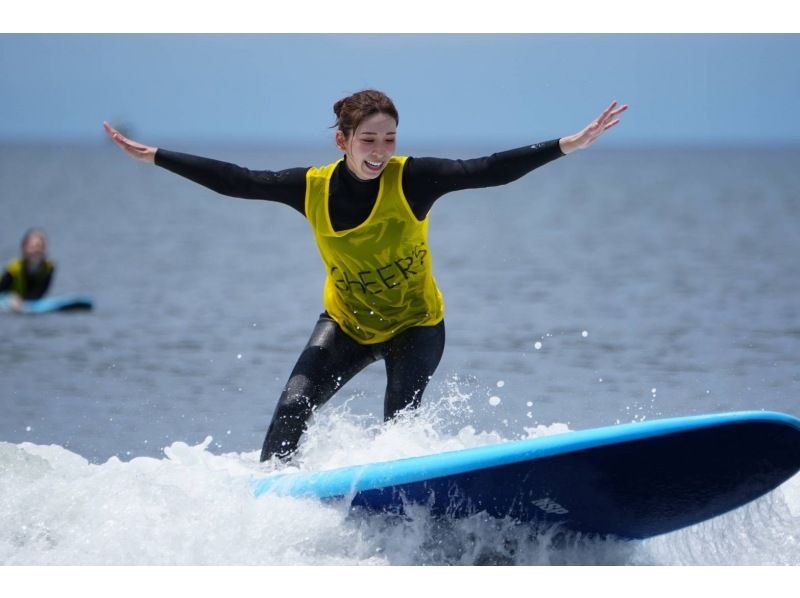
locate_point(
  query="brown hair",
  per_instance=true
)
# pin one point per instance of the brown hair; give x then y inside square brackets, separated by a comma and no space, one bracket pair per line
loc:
[352,110]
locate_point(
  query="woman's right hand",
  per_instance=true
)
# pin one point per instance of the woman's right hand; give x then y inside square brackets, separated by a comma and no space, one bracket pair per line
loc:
[15,303]
[134,149]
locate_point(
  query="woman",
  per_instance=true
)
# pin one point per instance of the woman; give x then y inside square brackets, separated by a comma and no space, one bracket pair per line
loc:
[369,215]
[29,276]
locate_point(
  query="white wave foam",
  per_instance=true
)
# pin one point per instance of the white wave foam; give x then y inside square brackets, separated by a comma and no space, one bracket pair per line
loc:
[196,507]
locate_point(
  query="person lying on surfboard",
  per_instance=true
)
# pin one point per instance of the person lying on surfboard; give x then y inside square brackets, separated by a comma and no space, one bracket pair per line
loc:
[369,214]
[28,276]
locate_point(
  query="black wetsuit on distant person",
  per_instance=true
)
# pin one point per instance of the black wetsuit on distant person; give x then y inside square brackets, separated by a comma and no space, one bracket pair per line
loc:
[28,284]
[331,357]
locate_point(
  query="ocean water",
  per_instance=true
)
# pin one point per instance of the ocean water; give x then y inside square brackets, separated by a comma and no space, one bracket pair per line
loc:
[610,286]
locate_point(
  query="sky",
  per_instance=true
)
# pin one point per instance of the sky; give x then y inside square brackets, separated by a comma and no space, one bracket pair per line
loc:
[450,88]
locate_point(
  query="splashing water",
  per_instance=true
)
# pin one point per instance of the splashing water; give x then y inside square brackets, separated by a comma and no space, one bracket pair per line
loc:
[196,507]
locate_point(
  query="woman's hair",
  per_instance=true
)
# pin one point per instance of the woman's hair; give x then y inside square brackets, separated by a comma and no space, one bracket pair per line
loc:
[352,110]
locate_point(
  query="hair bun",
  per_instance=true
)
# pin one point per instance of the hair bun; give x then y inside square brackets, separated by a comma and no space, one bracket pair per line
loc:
[337,107]
[353,109]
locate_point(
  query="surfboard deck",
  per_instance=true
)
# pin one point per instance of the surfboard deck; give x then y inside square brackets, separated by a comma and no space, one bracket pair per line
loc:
[51,304]
[631,480]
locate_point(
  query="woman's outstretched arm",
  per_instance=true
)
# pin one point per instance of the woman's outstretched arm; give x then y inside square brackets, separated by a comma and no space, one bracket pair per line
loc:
[425,180]
[283,186]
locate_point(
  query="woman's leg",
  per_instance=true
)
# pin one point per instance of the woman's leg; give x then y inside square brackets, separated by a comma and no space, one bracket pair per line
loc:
[328,361]
[411,359]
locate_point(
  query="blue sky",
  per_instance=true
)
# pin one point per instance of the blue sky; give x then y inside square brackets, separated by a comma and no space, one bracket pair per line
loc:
[449,88]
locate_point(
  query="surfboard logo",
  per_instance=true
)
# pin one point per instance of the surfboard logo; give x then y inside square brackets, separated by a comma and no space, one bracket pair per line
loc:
[550,506]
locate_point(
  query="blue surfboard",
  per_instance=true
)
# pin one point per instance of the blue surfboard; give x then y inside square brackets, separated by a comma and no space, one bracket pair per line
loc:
[51,304]
[630,481]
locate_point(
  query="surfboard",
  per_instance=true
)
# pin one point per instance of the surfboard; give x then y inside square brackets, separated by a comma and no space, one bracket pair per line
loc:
[630,481]
[51,304]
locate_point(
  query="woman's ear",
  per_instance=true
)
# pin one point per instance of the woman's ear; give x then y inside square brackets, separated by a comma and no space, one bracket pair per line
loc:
[341,141]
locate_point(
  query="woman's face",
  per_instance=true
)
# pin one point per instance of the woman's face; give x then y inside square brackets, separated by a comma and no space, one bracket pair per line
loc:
[370,146]
[34,249]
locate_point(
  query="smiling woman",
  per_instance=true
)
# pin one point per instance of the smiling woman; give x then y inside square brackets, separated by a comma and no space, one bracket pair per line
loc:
[370,147]
[369,213]
[367,131]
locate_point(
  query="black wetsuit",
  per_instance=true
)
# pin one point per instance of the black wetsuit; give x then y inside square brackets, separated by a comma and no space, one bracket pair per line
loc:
[36,283]
[331,357]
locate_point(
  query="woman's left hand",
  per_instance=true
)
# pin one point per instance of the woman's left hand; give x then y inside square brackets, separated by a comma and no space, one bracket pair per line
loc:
[592,131]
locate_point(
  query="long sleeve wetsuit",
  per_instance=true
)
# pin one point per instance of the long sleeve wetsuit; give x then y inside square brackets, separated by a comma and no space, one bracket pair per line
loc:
[35,284]
[331,357]
[351,200]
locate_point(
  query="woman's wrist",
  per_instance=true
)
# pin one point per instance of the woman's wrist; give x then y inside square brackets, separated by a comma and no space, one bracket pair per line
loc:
[567,144]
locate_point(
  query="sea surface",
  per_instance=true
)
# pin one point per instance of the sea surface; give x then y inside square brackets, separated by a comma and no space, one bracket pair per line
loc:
[611,286]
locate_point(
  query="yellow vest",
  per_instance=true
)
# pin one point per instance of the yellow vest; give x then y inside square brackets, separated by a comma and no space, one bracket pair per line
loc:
[19,281]
[379,277]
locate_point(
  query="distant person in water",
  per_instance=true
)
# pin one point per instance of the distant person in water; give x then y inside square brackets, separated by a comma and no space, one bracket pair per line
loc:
[369,215]
[28,276]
